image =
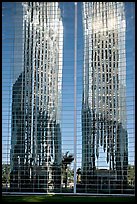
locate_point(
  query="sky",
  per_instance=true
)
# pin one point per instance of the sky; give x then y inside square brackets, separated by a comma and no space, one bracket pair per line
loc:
[10,24]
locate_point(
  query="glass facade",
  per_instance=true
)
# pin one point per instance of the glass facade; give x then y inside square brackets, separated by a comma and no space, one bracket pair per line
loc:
[104,93]
[68,97]
[36,101]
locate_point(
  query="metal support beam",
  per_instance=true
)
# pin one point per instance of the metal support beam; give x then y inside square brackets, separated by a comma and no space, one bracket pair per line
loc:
[75,94]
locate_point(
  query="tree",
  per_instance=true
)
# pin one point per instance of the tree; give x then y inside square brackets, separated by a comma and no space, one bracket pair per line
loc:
[66,160]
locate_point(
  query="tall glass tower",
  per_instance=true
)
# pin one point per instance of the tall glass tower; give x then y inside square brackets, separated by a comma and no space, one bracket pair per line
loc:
[104,92]
[36,101]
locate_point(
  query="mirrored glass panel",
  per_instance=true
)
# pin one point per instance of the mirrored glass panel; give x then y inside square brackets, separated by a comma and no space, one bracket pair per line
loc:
[68,97]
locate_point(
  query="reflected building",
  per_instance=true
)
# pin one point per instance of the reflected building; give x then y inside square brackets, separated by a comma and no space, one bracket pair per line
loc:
[104,132]
[36,101]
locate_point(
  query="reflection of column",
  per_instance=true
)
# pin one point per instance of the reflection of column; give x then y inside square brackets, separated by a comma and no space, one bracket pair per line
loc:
[37,92]
[104,84]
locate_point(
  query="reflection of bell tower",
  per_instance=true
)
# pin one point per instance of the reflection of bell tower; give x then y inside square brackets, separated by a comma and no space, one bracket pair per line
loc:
[104,89]
[38,99]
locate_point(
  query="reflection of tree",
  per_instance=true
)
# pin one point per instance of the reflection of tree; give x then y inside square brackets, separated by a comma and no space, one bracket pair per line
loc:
[131,175]
[66,160]
[70,175]
[5,173]
[78,175]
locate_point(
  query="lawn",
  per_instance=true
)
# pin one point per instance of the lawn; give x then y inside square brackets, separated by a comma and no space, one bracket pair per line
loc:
[65,198]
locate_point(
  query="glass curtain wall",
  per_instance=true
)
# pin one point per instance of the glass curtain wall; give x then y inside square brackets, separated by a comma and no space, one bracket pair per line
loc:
[104,96]
[68,97]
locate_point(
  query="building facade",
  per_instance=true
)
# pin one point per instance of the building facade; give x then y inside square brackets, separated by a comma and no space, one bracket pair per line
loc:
[104,91]
[36,101]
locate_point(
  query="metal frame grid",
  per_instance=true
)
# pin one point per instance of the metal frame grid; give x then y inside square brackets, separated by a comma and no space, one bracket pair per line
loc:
[68,98]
